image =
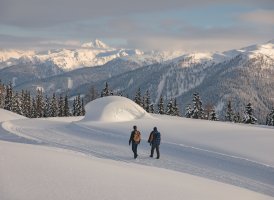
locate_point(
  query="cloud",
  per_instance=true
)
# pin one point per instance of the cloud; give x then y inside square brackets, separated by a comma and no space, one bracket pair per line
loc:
[44,13]
[259,17]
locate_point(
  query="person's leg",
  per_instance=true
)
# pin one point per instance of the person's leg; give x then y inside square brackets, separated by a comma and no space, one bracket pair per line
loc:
[152,150]
[134,149]
[158,151]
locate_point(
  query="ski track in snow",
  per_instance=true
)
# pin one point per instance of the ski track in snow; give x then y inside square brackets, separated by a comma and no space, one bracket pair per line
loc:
[102,143]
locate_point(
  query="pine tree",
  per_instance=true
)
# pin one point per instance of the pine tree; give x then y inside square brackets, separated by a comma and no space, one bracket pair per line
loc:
[270,118]
[248,115]
[8,97]
[213,115]
[2,95]
[161,106]
[151,108]
[33,113]
[66,107]
[147,101]
[47,112]
[106,91]
[170,108]
[83,111]
[189,111]
[53,106]
[61,106]
[237,118]
[229,112]
[198,111]
[138,97]
[39,104]
[17,104]
[176,109]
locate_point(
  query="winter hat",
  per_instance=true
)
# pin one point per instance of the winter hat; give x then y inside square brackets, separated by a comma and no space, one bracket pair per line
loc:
[155,128]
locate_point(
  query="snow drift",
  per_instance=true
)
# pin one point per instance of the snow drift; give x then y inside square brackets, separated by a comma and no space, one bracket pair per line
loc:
[114,109]
[6,115]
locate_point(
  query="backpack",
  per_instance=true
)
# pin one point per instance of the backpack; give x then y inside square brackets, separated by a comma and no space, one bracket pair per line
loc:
[137,136]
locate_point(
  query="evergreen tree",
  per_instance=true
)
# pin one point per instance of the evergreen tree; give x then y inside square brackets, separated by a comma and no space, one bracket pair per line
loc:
[61,106]
[237,118]
[147,101]
[189,111]
[198,111]
[17,104]
[74,111]
[229,112]
[8,97]
[151,108]
[53,106]
[83,111]
[170,108]
[2,95]
[248,115]
[138,97]
[33,113]
[213,115]
[106,91]
[161,106]
[27,104]
[270,118]
[176,109]
[66,107]
[47,112]
[39,104]
[77,106]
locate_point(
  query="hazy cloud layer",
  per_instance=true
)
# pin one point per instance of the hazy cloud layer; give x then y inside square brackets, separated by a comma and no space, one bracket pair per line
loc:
[154,24]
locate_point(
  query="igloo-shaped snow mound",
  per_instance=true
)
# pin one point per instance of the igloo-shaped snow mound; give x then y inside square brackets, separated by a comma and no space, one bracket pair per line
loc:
[114,109]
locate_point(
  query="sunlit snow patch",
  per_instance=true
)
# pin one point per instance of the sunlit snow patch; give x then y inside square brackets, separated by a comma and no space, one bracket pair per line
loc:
[114,109]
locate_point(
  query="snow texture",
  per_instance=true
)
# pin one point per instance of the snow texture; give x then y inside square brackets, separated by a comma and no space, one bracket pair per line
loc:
[199,159]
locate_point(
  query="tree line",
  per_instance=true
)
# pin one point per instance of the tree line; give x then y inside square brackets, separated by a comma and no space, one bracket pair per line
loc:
[39,105]
[195,110]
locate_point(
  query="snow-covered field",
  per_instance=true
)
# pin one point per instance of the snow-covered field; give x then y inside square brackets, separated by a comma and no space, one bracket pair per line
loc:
[89,157]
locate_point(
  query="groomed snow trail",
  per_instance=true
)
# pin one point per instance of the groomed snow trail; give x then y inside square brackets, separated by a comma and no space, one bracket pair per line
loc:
[107,141]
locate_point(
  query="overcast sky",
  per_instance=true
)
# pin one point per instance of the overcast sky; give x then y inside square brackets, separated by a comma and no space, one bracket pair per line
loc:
[190,25]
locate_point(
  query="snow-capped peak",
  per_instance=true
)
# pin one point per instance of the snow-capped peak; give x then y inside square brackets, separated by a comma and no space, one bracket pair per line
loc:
[95,44]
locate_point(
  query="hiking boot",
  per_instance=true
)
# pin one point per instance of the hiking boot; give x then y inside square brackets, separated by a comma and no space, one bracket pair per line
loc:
[158,158]
[151,156]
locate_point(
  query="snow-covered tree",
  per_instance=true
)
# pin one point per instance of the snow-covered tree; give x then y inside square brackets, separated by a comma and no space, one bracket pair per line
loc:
[61,106]
[17,104]
[39,104]
[213,115]
[237,118]
[8,97]
[248,115]
[270,118]
[189,111]
[151,108]
[53,106]
[138,97]
[146,101]
[106,91]
[161,106]
[229,116]
[176,108]
[33,113]
[47,107]
[198,111]
[2,95]
[170,108]
[66,107]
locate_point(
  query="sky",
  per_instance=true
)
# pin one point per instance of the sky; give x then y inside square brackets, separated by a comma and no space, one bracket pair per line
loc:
[196,25]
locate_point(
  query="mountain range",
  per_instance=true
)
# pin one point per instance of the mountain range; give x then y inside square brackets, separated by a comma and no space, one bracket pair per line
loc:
[240,75]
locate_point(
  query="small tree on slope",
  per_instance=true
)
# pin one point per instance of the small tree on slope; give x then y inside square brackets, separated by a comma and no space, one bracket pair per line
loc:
[248,115]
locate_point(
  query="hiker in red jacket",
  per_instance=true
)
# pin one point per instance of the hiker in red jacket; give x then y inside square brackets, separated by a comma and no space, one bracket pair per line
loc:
[135,139]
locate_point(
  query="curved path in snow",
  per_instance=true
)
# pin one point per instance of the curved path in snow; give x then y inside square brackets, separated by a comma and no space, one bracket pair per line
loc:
[102,143]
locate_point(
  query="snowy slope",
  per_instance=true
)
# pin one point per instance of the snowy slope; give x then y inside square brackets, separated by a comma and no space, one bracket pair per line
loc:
[47,173]
[238,155]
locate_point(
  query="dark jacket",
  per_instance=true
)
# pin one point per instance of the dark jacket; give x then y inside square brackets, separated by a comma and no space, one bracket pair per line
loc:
[155,138]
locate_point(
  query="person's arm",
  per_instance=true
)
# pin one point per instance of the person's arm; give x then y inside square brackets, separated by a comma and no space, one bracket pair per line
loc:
[130,139]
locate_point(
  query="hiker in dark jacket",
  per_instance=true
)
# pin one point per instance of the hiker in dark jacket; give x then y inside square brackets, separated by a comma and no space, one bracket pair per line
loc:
[155,140]
[135,139]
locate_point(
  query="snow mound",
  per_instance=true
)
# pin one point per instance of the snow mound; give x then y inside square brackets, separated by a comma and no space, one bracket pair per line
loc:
[6,115]
[113,109]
